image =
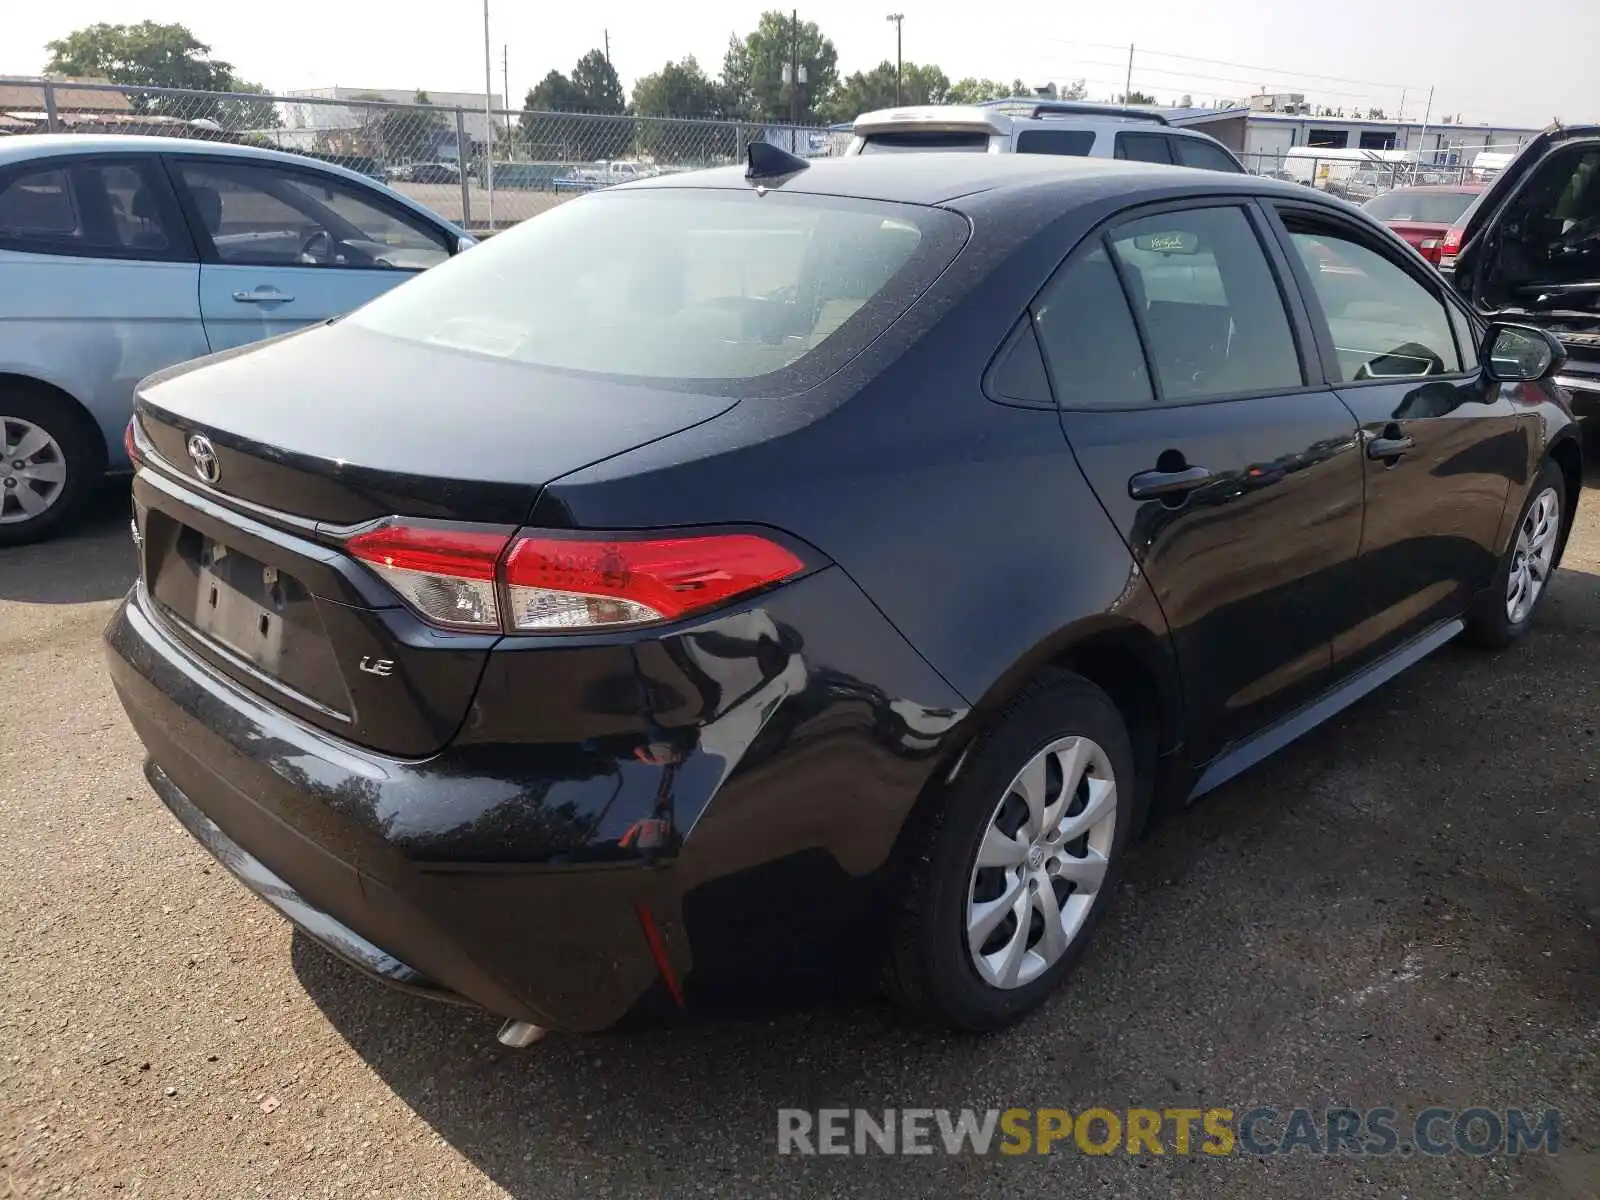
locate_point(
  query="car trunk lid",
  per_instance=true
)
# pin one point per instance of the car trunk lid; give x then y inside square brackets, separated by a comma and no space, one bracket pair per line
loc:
[260,466]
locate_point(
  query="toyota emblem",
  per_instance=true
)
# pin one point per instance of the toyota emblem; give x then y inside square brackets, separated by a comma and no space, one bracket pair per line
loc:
[204,458]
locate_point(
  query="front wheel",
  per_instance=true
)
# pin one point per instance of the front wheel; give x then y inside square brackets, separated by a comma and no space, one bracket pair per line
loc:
[1014,865]
[1503,613]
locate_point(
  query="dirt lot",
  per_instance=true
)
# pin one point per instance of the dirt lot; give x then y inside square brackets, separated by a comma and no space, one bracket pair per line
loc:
[1400,910]
[510,204]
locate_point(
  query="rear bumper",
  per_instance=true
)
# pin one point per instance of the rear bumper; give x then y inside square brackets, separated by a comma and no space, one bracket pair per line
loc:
[1583,392]
[518,875]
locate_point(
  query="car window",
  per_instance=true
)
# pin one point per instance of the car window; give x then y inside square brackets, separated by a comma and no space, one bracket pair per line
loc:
[679,283]
[266,216]
[1143,147]
[1075,142]
[1018,373]
[1211,309]
[1410,204]
[1383,322]
[83,208]
[1090,343]
[1197,152]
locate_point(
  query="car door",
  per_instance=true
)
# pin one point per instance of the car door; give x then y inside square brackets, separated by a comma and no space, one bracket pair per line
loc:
[1187,390]
[98,279]
[1442,443]
[282,247]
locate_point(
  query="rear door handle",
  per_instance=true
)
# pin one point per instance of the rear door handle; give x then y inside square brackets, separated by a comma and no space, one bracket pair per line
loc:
[1389,448]
[263,295]
[1154,485]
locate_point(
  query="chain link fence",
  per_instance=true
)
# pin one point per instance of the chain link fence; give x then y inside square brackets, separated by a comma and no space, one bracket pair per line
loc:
[1359,179]
[483,168]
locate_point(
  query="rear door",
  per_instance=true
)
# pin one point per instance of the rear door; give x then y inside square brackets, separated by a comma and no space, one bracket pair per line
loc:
[283,247]
[1442,444]
[1189,394]
[1144,147]
[98,279]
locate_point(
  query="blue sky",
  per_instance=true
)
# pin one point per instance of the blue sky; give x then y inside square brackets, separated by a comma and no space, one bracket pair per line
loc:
[1490,62]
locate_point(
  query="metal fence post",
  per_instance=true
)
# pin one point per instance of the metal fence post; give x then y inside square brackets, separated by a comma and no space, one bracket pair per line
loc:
[461,166]
[50,122]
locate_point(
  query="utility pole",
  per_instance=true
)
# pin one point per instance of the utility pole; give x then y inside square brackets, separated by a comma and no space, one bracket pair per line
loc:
[505,84]
[606,34]
[488,114]
[1422,138]
[899,67]
[794,67]
[1127,88]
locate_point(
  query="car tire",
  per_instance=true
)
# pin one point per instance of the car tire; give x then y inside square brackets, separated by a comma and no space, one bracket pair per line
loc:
[48,462]
[1060,727]
[1503,613]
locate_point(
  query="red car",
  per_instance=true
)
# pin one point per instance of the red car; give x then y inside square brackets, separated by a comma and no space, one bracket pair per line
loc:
[1423,215]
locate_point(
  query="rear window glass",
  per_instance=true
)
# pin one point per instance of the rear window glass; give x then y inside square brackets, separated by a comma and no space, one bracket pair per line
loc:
[1436,208]
[1074,142]
[679,284]
[899,143]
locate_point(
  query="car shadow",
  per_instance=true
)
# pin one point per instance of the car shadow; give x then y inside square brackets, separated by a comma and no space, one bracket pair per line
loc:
[1352,817]
[94,560]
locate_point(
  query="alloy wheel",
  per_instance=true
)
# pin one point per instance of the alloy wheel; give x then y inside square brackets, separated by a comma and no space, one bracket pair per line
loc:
[33,470]
[1042,862]
[1533,557]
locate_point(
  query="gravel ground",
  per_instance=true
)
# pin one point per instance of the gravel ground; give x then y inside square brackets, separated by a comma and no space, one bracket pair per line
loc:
[1400,910]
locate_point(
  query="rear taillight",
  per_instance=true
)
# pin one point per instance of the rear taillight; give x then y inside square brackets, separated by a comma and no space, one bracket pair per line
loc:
[455,578]
[1450,247]
[1430,249]
[447,575]
[130,443]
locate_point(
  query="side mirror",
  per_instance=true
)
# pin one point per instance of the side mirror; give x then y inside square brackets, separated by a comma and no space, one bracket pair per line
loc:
[1521,353]
[465,242]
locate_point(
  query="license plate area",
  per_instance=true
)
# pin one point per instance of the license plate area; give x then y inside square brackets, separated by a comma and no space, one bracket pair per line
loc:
[238,601]
[257,621]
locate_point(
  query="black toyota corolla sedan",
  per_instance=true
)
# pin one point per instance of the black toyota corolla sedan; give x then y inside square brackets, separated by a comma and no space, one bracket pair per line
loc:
[740,588]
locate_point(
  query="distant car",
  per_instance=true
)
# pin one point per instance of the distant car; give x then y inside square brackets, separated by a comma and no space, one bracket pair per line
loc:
[1423,215]
[603,174]
[120,255]
[435,172]
[1066,127]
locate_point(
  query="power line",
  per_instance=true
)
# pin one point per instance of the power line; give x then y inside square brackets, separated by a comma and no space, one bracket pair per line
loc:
[1256,70]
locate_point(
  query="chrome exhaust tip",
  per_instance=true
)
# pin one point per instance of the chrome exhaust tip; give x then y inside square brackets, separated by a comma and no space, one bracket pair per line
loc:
[518,1034]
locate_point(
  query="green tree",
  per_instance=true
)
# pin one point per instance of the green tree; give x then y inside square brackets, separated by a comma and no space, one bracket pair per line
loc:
[597,82]
[752,70]
[150,54]
[555,93]
[1136,97]
[976,91]
[865,91]
[679,89]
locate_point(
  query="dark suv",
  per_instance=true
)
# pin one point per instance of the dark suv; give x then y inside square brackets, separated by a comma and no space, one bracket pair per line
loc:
[1529,250]
[738,588]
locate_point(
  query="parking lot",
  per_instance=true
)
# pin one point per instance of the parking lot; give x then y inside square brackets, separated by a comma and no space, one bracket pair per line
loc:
[1401,910]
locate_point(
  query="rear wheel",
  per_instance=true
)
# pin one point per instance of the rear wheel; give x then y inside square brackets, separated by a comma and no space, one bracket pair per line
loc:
[1015,865]
[1503,613]
[48,466]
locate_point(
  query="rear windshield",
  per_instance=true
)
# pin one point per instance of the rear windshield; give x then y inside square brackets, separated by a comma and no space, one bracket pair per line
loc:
[1437,208]
[932,139]
[679,283]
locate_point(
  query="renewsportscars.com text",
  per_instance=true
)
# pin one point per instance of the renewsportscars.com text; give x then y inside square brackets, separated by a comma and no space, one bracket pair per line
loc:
[1179,1131]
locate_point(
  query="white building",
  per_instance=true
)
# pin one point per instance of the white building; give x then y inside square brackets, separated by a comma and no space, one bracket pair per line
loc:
[1269,134]
[322,114]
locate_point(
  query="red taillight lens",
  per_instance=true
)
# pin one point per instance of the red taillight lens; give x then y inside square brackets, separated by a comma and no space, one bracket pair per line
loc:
[556,583]
[130,443]
[447,575]
[1450,247]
